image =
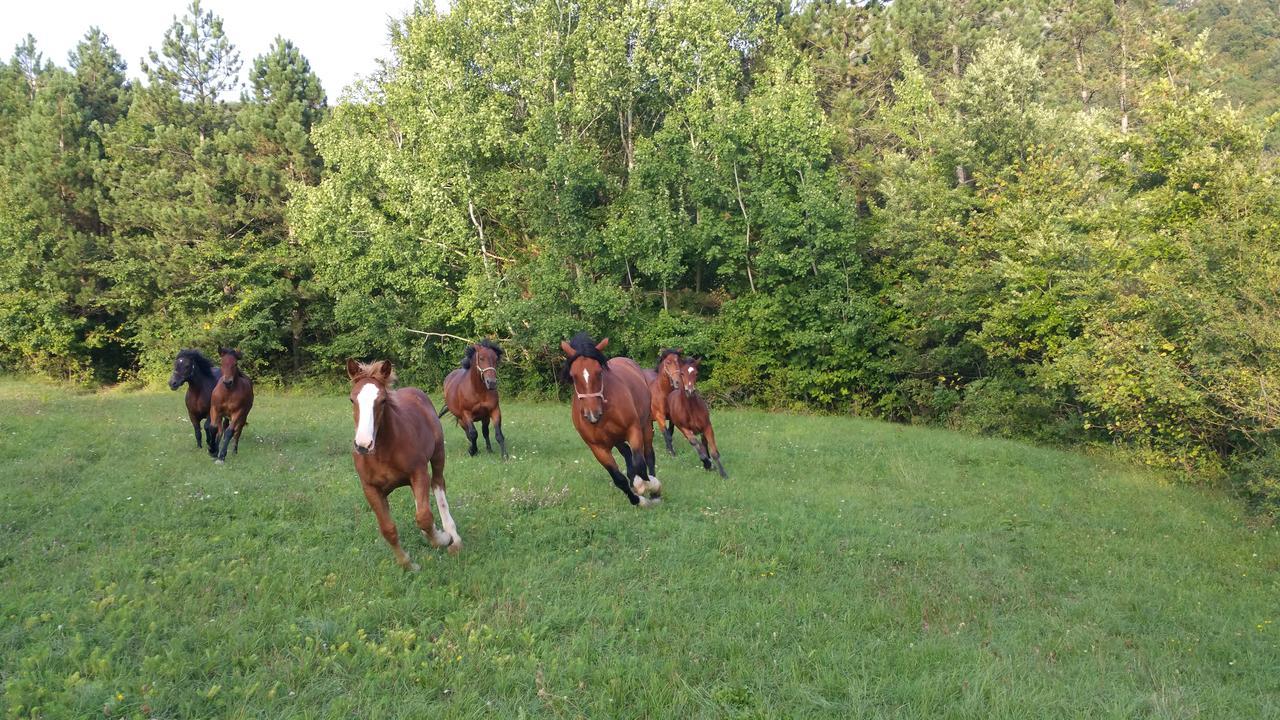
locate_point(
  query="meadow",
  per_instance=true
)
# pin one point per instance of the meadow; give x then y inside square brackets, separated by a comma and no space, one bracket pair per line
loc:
[847,568]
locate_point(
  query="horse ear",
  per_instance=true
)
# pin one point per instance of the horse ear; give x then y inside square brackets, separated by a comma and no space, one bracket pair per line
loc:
[602,344]
[697,360]
[224,350]
[237,354]
[353,368]
[382,370]
[567,348]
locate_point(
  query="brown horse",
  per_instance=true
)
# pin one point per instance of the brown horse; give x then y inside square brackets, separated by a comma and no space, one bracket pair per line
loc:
[689,413]
[611,411]
[662,380]
[194,369]
[230,403]
[471,393]
[398,437]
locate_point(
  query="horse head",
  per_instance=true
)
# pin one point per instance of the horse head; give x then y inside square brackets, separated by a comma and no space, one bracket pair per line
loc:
[183,367]
[230,369]
[585,367]
[688,376]
[370,383]
[483,358]
[669,363]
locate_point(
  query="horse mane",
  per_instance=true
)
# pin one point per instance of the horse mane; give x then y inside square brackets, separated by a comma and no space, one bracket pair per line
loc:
[583,346]
[663,356]
[203,365]
[470,353]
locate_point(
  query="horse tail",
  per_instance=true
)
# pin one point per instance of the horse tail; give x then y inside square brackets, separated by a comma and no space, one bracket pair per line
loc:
[444,411]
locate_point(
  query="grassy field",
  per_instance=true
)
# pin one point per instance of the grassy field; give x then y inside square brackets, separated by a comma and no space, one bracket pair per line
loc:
[848,569]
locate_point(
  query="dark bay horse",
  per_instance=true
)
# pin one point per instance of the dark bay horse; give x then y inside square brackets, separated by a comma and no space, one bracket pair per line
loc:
[611,411]
[689,413]
[399,442]
[662,380]
[230,402]
[471,393]
[197,371]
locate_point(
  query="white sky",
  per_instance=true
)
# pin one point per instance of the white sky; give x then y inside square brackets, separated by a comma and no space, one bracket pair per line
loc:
[342,41]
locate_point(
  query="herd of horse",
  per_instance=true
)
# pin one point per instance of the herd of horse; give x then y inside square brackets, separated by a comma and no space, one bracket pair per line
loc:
[399,440]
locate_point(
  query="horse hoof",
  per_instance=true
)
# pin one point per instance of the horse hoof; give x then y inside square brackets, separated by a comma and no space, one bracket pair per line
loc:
[412,567]
[644,502]
[455,546]
[219,461]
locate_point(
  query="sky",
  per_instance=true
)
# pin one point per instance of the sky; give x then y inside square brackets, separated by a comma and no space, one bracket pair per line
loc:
[342,43]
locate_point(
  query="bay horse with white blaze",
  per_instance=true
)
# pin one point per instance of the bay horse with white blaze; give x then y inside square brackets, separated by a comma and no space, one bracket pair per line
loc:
[471,393]
[230,403]
[662,381]
[689,413]
[197,371]
[399,442]
[611,412]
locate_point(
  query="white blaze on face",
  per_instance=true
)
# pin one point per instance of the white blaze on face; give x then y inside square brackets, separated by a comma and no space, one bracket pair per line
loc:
[364,425]
[586,378]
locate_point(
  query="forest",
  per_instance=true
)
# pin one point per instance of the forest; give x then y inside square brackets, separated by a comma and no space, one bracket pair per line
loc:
[1057,220]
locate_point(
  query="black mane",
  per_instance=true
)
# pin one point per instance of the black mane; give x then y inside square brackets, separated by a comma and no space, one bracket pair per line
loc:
[663,356]
[470,354]
[583,346]
[202,364]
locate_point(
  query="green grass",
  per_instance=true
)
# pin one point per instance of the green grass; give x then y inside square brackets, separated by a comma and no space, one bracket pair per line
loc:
[848,569]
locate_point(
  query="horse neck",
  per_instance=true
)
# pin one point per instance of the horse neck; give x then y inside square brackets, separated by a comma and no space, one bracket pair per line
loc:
[385,432]
[201,379]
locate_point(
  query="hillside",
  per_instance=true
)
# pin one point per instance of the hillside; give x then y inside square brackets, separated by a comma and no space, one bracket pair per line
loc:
[848,569]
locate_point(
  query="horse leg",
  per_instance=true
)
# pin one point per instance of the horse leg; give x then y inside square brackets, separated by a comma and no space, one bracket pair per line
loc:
[697,445]
[709,437]
[210,436]
[224,441]
[484,429]
[605,457]
[641,450]
[470,429]
[211,431]
[195,425]
[667,433]
[625,452]
[665,426]
[497,432]
[655,486]
[442,502]
[240,421]
[378,501]
[420,483]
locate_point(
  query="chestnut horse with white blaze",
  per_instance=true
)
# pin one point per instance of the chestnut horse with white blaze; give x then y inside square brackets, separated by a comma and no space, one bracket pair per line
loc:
[230,403]
[611,412]
[471,394]
[399,442]
[689,412]
[662,380]
[194,369]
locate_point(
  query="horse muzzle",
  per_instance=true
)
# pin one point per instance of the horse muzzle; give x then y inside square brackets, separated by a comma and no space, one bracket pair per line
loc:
[491,384]
[175,384]
[592,418]
[361,449]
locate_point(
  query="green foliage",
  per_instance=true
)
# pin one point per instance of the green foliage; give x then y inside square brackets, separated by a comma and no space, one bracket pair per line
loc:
[1013,218]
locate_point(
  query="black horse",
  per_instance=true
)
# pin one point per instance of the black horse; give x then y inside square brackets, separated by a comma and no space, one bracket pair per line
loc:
[201,376]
